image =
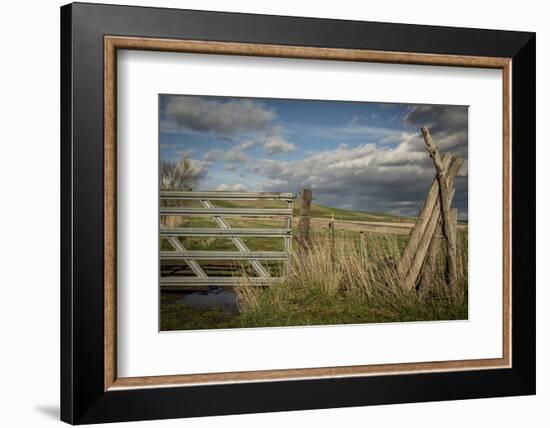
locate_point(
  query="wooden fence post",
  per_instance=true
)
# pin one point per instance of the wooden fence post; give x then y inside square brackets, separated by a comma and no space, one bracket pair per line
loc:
[444,200]
[452,259]
[363,244]
[411,250]
[332,244]
[415,252]
[303,237]
[430,264]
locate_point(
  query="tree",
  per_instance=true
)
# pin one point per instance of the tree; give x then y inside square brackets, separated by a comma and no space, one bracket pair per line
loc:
[183,175]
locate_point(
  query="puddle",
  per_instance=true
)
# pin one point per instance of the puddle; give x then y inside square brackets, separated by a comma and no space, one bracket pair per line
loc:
[215,298]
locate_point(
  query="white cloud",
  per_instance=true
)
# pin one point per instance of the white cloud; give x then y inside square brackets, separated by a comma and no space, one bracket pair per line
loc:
[274,183]
[235,155]
[213,155]
[237,187]
[218,117]
[448,126]
[200,166]
[247,144]
[277,144]
[370,177]
[372,168]
[352,130]
[353,120]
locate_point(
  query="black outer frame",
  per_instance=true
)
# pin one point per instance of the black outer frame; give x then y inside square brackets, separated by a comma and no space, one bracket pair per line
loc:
[83,399]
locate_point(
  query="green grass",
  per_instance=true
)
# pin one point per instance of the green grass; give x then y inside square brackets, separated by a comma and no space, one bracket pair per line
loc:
[321,211]
[360,285]
[307,307]
[177,316]
[261,243]
[311,307]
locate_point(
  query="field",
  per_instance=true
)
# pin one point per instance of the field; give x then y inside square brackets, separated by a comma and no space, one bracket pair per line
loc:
[348,277]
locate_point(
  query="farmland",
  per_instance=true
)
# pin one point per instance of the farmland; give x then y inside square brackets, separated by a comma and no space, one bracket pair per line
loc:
[345,277]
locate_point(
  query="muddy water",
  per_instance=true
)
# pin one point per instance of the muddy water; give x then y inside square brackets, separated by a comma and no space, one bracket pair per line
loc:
[225,299]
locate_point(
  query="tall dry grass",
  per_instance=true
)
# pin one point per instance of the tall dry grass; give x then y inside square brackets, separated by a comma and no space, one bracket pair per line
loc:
[354,279]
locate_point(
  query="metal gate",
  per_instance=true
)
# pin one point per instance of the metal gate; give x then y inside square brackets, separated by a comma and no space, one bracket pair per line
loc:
[242,252]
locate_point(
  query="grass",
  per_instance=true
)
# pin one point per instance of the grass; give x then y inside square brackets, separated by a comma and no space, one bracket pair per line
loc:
[258,243]
[321,211]
[359,285]
[356,282]
[177,316]
[316,210]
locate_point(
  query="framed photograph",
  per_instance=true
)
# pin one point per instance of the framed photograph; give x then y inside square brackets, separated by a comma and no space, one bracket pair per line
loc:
[267,213]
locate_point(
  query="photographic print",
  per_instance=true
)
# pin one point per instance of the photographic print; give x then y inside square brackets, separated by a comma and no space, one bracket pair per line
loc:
[290,212]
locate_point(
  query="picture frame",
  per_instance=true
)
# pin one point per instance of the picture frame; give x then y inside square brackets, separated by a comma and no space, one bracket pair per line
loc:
[91,35]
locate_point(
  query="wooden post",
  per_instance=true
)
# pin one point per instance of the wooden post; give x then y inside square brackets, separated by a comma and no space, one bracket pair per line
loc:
[332,244]
[363,244]
[423,247]
[418,230]
[452,274]
[414,255]
[452,259]
[303,237]
[430,264]
[288,240]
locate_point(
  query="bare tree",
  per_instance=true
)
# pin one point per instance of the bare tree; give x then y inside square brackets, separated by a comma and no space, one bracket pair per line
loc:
[183,175]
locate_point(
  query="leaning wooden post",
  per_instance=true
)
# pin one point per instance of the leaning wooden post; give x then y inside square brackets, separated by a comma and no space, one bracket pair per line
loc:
[450,240]
[430,264]
[454,230]
[423,246]
[410,253]
[413,257]
[303,237]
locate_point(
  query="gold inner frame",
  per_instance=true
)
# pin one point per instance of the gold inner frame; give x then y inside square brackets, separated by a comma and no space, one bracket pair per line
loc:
[113,43]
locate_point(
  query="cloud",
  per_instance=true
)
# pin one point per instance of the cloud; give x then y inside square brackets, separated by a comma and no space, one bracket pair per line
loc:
[237,187]
[235,155]
[169,145]
[448,126]
[367,177]
[217,117]
[200,166]
[277,144]
[369,168]
[184,153]
[445,119]
[353,131]
[247,144]
[353,121]
[273,183]
[213,155]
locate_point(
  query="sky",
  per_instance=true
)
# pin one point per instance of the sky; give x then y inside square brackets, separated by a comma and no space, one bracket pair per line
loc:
[353,155]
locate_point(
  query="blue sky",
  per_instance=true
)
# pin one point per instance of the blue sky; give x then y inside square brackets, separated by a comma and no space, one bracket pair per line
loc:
[367,156]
